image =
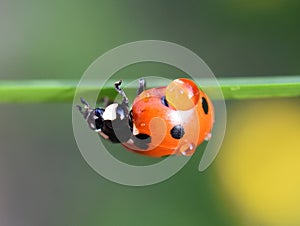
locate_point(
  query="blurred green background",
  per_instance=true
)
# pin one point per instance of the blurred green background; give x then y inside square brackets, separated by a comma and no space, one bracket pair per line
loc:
[255,179]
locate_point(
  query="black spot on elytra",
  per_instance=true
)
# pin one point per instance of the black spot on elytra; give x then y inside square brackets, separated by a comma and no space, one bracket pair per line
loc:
[177,132]
[142,140]
[142,136]
[205,105]
[164,101]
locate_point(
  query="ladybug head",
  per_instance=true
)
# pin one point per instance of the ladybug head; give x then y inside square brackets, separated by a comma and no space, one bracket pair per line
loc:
[113,122]
[93,117]
[96,118]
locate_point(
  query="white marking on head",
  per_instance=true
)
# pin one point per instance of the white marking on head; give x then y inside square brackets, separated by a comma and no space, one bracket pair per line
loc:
[110,112]
[122,116]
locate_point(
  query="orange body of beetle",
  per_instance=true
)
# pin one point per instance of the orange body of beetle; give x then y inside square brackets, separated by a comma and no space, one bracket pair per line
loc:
[169,120]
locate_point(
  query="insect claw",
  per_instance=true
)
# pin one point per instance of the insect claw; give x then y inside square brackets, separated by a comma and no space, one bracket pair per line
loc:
[117,85]
[121,92]
[84,102]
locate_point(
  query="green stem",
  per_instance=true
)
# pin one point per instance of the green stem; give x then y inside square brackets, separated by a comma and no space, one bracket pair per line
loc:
[42,91]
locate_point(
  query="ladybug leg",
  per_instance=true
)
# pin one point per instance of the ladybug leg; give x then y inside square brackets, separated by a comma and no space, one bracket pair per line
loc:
[85,110]
[142,86]
[121,92]
[88,113]
[106,101]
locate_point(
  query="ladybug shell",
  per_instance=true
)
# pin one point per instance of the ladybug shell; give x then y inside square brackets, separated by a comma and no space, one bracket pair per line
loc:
[163,123]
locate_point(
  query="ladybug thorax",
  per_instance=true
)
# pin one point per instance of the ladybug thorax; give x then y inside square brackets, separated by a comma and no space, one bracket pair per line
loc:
[110,112]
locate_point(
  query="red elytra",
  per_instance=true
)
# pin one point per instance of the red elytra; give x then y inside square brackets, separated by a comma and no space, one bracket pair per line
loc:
[178,118]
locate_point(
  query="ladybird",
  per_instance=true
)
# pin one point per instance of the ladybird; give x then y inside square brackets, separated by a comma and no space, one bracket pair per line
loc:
[163,121]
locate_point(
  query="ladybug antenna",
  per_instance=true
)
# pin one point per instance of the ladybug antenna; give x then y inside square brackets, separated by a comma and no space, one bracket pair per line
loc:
[121,92]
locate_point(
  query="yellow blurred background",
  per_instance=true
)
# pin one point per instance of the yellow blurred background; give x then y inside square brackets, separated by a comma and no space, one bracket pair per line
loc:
[259,163]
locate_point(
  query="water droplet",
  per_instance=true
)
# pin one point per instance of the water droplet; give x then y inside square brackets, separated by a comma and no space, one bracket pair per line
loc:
[208,136]
[186,149]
